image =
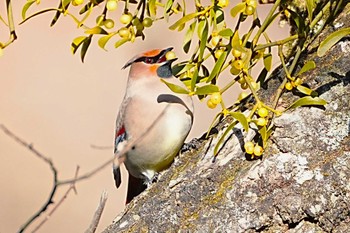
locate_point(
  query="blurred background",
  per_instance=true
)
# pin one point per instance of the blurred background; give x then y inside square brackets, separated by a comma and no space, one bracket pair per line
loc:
[63,107]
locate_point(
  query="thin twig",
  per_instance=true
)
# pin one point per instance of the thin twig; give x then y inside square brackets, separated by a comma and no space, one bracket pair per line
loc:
[96,147]
[98,213]
[31,148]
[71,187]
[120,155]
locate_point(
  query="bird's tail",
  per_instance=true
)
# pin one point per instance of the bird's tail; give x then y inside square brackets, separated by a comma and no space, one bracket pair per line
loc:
[135,187]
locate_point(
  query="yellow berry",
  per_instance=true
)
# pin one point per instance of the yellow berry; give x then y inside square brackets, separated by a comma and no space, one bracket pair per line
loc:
[287,13]
[147,22]
[125,18]
[111,5]
[215,40]
[210,104]
[297,82]
[99,19]
[216,98]
[170,55]
[234,71]
[263,112]
[236,53]
[108,23]
[238,64]
[258,150]
[244,86]
[124,33]
[77,2]
[252,3]
[261,121]
[223,3]
[242,95]
[241,79]
[249,147]
[218,53]
[249,10]
[288,86]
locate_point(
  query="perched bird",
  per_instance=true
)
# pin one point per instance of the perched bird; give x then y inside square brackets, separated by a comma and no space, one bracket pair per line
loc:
[158,118]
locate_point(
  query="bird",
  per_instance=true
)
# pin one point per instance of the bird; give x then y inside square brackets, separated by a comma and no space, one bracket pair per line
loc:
[155,116]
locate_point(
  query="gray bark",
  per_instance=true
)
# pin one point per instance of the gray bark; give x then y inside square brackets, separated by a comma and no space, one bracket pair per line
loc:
[300,185]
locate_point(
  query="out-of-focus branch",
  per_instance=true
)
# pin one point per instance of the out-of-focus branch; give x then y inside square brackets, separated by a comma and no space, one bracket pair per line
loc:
[31,148]
[71,187]
[98,213]
[119,157]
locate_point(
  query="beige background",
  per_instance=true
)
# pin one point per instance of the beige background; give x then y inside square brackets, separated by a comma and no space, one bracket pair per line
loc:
[49,98]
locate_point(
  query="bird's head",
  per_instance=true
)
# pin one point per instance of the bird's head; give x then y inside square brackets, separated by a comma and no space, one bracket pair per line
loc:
[150,64]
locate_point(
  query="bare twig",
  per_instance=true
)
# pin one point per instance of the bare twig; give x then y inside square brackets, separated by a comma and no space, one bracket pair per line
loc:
[101,147]
[71,187]
[98,213]
[46,160]
[120,157]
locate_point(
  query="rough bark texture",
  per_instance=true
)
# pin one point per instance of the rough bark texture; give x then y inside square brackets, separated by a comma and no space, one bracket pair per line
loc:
[300,185]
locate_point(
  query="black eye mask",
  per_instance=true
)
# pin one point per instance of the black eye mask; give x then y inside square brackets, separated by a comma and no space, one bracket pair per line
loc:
[152,60]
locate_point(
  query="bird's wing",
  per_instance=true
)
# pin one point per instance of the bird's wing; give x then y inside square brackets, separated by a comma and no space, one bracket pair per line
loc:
[120,136]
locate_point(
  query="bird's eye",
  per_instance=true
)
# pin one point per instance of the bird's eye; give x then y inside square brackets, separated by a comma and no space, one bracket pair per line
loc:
[148,60]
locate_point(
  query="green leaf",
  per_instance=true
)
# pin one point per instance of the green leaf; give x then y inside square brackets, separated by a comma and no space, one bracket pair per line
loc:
[183,20]
[217,67]
[270,20]
[86,16]
[39,13]
[207,89]
[152,8]
[189,36]
[76,43]
[307,100]
[200,29]
[306,91]
[262,76]
[175,88]
[194,78]
[236,41]
[331,40]
[263,134]
[299,22]
[219,16]
[64,4]
[213,123]
[104,39]
[120,42]
[84,48]
[89,5]
[240,7]
[221,140]
[203,39]
[310,6]
[268,61]
[242,119]
[26,7]
[227,32]
[309,65]
[168,6]
[96,30]
[181,68]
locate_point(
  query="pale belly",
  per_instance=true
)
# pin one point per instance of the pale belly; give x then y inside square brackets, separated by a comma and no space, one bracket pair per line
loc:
[164,135]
